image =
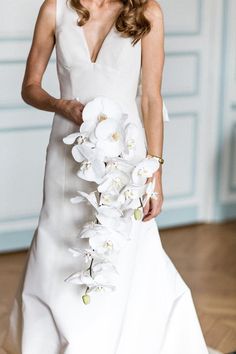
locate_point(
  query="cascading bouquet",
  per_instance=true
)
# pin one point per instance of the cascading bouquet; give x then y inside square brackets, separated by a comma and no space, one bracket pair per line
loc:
[104,148]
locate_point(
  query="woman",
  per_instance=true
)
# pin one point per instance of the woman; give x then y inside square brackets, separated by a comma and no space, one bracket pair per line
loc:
[101,47]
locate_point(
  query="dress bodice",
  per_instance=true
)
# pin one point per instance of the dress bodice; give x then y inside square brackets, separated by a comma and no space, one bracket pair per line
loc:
[116,72]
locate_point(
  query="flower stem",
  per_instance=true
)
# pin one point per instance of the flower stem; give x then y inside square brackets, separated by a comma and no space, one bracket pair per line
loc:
[141,203]
[90,273]
[90,267]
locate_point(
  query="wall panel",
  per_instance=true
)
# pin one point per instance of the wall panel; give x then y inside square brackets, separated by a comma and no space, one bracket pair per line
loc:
[181,74]
[22,153]
[182,17]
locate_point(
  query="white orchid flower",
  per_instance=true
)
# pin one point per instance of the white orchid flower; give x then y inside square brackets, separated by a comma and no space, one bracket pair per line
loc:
[92,167]
[101,284]
[91,198]
[85,197]
[109,211]
[129,197]
[92,171]
[87,254]
[107,243]
[81,150]
[118,163]
[98,110]
[113,182]
[98,283]
[144,170]
[82,277]
[110,137]
[70,139]
[93,230]
[101,108]
[87,151]
[106,129]
[103,240]
[79,153]
[106,268]
[130,143]
[90,229]
[103,245]
[108,199]
[122,225]
[101,287]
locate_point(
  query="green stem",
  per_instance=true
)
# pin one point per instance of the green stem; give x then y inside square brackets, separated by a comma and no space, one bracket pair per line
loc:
[90,273]
[141,203]
[90,267]
[91,264]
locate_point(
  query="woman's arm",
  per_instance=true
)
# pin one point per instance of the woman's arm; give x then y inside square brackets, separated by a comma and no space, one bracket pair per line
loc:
[151,99]
[37,61]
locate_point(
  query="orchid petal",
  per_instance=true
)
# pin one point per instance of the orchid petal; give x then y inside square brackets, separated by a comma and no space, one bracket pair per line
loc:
[69,139]
[77,199]
[77,154]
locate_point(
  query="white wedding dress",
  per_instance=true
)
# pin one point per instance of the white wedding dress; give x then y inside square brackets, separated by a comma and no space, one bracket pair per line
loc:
[152,311]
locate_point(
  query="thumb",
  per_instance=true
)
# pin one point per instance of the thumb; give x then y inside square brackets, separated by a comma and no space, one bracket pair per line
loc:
[146,207]
[80,103]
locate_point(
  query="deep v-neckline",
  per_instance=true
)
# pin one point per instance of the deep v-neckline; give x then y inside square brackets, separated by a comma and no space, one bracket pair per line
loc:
[105,39]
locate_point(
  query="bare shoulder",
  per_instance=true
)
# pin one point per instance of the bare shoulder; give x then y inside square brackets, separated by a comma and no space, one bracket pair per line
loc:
[48,8]
[153,11]
[46,21]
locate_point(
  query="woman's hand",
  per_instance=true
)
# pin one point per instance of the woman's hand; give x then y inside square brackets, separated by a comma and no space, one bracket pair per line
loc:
[153,206]
[71,109]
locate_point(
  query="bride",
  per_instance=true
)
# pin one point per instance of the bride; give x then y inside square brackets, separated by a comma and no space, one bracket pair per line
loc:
[101,145]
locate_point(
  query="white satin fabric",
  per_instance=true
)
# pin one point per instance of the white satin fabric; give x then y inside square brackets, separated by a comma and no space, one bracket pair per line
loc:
[152,311]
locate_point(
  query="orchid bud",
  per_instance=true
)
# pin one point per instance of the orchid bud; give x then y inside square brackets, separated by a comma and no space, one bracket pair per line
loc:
[86,299]
[138,214]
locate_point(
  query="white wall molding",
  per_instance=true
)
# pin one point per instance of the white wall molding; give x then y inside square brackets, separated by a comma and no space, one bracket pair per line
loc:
[182,164]
[176,21]
[225,201]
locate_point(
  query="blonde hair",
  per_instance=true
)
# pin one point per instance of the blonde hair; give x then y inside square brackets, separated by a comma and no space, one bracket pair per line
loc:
[131,21]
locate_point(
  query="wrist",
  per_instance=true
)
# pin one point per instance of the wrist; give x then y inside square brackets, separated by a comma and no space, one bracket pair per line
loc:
[59,106]
[156,157]
[158,173]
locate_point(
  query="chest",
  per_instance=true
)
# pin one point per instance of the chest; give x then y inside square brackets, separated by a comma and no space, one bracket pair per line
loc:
[116,52]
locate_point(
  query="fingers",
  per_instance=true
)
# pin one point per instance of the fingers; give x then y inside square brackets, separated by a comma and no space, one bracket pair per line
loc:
[77,111]
[79,104]
[154,209]
[71,109]
[146,208]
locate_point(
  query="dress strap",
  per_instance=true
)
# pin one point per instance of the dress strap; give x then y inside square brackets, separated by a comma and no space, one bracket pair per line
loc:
[61,7]
[58,12]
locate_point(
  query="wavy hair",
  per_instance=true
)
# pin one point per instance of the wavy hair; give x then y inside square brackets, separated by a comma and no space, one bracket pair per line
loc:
[131,21]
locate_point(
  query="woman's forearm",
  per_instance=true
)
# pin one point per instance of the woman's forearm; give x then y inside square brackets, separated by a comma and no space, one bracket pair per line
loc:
[37,97]
[153,124]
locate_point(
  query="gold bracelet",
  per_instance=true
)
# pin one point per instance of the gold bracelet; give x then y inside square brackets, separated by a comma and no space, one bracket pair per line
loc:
[160,159]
